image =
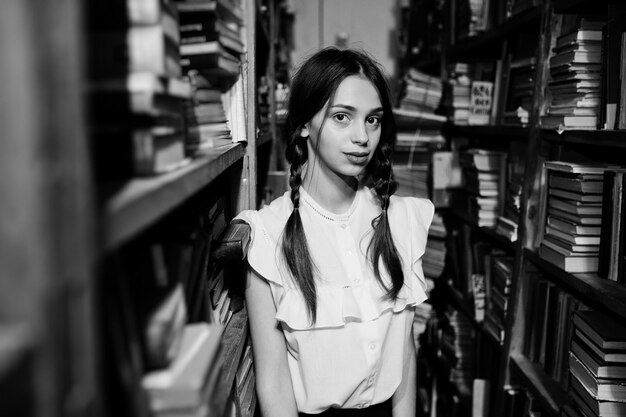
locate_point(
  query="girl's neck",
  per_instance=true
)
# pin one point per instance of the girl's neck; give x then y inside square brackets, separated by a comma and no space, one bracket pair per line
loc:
[335,196]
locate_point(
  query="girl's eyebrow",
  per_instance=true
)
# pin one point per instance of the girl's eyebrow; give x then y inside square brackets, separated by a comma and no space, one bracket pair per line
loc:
[353,109]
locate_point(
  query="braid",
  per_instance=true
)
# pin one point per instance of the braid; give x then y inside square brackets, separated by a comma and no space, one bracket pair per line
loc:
[382,245]
[295,250]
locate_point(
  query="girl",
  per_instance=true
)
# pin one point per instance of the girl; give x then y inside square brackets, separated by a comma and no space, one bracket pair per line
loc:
[335,267]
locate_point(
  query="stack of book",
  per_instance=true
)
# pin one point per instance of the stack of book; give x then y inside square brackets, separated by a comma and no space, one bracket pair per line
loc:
[484,174]
[574,215]
[206,122]
[419,132]
[434,257]
[210,33]
[597,363]
[498,274]
[520,90]
[422,92]
[575,81]
[458,101]
[457,349]
[135,88]
[509,220]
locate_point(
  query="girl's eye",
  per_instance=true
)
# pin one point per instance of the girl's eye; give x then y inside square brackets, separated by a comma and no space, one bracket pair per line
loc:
[373,120]
[341,117]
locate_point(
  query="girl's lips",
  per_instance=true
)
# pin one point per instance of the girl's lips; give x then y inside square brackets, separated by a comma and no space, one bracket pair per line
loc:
[359,158]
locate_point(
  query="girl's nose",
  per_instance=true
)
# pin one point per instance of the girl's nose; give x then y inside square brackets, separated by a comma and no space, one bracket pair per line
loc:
[360,135]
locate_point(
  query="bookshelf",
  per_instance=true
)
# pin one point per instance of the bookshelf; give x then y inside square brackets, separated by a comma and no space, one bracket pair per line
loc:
[529,33]
[63,231]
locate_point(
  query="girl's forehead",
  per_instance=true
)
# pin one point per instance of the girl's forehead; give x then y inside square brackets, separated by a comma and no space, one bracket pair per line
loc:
[356,91]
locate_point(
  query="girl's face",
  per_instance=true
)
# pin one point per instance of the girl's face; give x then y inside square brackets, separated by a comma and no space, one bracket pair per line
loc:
[344,134]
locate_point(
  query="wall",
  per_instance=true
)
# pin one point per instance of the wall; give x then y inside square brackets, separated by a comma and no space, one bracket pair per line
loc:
[368,24]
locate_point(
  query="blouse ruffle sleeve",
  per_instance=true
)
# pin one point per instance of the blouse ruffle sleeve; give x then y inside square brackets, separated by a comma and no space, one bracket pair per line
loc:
[416,216]
[263,249]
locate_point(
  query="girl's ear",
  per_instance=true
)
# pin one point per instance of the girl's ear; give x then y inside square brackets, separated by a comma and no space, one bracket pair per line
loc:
[304,131]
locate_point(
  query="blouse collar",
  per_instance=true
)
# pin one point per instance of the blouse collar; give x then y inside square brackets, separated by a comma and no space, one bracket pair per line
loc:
[329,215]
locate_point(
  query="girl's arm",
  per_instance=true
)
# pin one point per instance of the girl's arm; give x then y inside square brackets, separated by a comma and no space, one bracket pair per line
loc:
[269,349]
[404,400]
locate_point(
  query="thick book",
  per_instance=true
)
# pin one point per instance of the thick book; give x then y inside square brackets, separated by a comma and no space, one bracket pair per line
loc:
[570,227]
[575,207]
[578,183]
[163,322]
[581,220]
[613,356]
[577,168]
[597,367]
[555,121]
[233,244]
[602,330]
[569,249]
[137,49]
[592,406]
[573,264]
[579,36]
[599,388]
[572,238]
[573,195]
[183,383]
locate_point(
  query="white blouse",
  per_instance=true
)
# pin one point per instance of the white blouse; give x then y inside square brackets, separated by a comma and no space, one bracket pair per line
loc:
[353,356]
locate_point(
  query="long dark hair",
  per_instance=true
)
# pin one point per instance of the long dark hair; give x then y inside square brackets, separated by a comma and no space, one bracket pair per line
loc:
[313,85]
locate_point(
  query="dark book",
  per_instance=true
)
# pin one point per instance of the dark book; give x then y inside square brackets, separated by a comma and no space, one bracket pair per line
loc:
[617,356]
[592,406]
[570,227]
[575,207]
[616,24]
[578,183]
[601,330]
[597,367]
[599,388]
[233,244]
[575,196]
[580,220]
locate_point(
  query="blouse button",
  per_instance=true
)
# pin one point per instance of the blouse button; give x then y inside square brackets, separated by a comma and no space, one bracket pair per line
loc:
[343,226]
[349,253]
[372,346]
[356,281]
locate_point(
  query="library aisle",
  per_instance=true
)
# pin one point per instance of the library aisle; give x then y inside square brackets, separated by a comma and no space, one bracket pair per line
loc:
[136,130]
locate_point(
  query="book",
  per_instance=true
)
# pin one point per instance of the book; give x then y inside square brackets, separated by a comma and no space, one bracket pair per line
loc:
[181,384]
[593,407]
[605,355]
[163,322]
[575,207]
[579,183]
[567,248]
[572,238]
[597,367]
[573,195]
[570,227]
[579,36]
[573,264]
[600,389]
[557,121]
[149,49]
[233,244]
[574,57]
[601,330]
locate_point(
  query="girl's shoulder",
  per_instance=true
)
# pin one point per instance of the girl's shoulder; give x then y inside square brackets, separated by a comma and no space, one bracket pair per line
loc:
[271,217]
[418,209]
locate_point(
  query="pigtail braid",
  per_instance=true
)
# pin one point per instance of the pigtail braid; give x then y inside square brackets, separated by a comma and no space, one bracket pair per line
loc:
[295,249]
[382,245]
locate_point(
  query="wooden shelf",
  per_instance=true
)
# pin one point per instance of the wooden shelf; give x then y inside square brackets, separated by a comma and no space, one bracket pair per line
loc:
[131,207]
[598,293]
[607,138]
[484,45]
[498,133]
[549,393]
